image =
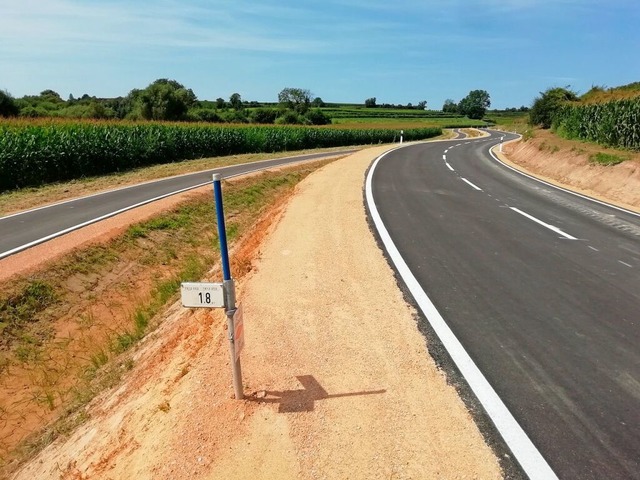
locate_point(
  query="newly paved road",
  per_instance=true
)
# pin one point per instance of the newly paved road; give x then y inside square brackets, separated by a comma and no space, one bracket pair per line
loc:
[21,231]
[541,287]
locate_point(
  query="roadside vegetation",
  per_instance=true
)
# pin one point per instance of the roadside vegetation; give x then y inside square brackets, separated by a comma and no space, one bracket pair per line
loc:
[33,154]
[609,117]
[66,329]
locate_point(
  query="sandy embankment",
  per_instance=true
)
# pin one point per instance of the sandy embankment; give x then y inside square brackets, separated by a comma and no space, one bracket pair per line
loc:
[339,380]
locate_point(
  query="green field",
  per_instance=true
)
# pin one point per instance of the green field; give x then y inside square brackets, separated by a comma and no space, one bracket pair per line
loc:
[37,153]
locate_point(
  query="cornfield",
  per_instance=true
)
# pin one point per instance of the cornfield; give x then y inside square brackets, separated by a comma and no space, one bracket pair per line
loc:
[614,124]
[36,154]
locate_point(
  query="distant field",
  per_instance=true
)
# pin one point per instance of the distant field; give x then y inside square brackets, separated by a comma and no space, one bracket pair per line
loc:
[361,117]
[351,116]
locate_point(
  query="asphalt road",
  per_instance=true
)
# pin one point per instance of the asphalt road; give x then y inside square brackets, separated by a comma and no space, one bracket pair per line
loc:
[26,229]
[541,288]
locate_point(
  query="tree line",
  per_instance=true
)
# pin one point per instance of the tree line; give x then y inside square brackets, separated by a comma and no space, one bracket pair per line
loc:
[169,100]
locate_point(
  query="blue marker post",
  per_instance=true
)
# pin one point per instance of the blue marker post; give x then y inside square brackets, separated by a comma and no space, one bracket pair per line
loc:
[229,287]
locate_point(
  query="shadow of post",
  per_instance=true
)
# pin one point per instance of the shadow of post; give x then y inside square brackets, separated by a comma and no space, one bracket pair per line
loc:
[303,400]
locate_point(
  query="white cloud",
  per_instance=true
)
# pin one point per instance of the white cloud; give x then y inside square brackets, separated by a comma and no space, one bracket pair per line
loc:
[30,26]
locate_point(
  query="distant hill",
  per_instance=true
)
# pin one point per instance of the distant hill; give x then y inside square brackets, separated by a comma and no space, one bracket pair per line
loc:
[602,94]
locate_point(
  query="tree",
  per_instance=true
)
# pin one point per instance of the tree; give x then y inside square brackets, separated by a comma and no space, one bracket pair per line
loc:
[422,105]
[235,100]
[163,100]
[475,104]
[450,106]
[548,103]
[220,103]
[297,99]
[370,102]
[51,96]
[317,102]
[8,107]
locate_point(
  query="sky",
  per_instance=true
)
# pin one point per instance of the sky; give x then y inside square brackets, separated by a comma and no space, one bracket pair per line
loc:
[398,51]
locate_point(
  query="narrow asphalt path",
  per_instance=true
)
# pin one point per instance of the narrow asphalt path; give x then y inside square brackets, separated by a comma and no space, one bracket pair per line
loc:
[27,229]
[540,287]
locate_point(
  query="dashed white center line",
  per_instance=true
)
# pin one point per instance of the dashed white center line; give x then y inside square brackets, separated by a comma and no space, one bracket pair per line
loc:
[471,184]
[449,166]
[625,263]
[540,222]
[444,157]
[593,248]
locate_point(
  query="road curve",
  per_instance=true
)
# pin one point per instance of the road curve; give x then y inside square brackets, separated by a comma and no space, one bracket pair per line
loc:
[541,288]
[33,227]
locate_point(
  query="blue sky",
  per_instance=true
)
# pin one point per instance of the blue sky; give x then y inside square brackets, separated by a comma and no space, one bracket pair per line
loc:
[398,51]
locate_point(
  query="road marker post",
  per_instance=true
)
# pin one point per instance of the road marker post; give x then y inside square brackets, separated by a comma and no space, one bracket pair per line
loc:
[401,134]
[211,295]
[229,289]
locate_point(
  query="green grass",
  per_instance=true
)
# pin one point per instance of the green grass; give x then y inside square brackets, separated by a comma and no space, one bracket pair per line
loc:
[606,159]
[23,308]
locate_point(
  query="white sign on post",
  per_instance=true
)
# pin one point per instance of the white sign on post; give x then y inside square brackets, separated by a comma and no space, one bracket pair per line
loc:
[238,334]
[202,295]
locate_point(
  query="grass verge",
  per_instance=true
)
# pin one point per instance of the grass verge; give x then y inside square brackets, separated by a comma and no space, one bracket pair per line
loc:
[606,159]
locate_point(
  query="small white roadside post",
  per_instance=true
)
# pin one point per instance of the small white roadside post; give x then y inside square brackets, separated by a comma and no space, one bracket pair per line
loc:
[401,134]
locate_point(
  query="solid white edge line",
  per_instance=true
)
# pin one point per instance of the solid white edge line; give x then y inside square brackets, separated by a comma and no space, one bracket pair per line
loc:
[212,170]
[94,220]
[471,184]
[540,222]
[525,452]
[585,197]
[117,212]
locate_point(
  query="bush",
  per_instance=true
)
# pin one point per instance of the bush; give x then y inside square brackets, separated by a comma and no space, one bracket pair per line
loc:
[317,117]
[8,107]
[546,106]
[289,117]
[263,115]
[204,115]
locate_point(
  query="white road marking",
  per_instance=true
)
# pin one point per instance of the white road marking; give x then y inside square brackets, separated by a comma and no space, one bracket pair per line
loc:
[116,212]
[471,184]
[625,263]
[540,222]
[593,248]
[525,452]
[450,167]
[94,220]
[444,157]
